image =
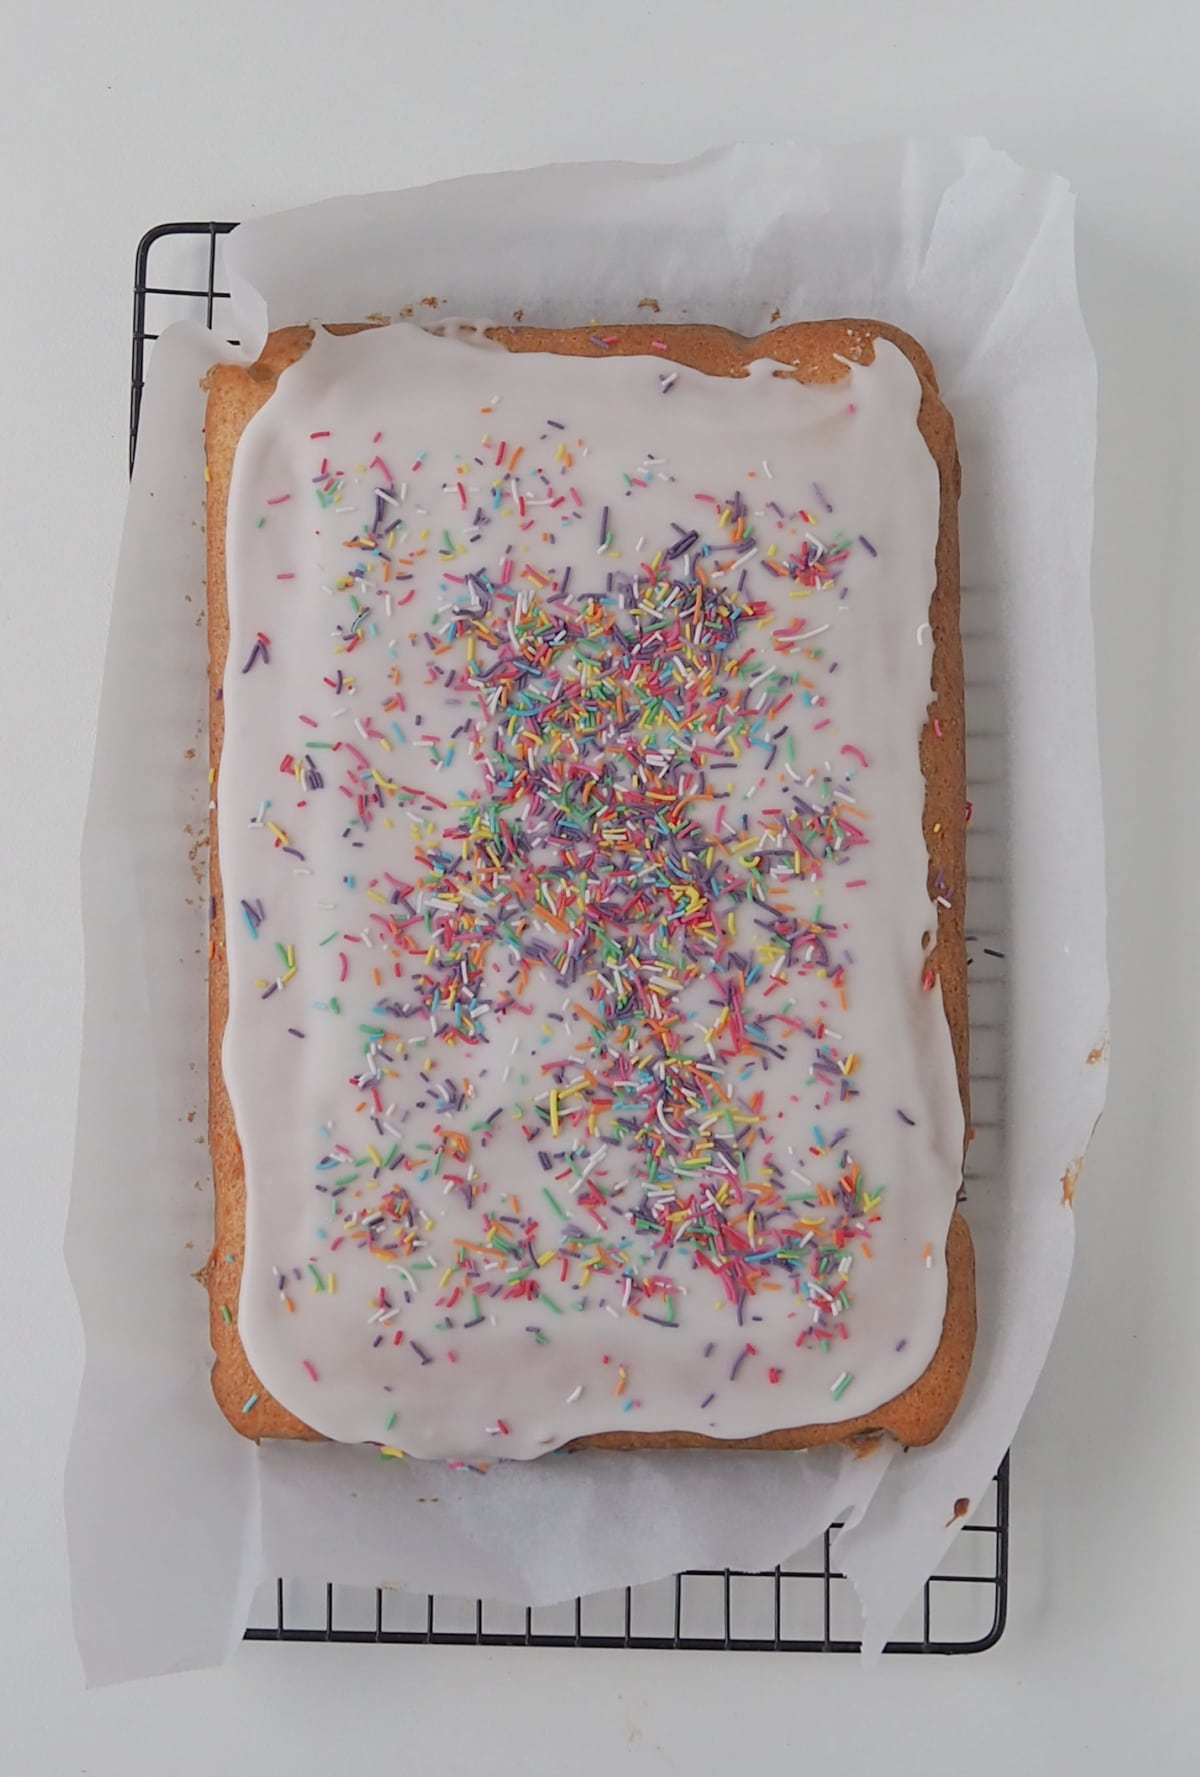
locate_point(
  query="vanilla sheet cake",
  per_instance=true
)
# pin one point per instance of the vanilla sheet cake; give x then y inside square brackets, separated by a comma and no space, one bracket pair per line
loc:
[588,1008]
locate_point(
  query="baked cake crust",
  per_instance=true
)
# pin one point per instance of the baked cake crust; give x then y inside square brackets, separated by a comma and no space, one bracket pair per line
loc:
[816,351]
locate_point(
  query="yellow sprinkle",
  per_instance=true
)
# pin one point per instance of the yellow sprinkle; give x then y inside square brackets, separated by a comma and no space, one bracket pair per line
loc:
[554,1113]
[278,831]
[444,1279]
[390,1450]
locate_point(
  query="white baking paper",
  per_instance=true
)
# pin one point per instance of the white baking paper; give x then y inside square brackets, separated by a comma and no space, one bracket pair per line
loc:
[172,1519]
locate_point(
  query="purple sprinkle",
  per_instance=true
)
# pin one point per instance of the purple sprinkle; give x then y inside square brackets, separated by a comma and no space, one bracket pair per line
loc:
[868,547]
[738,1361]
[293,1032]
[708,1399]
[420,1351]
[709,1349]
[902,1344]
[905,1118]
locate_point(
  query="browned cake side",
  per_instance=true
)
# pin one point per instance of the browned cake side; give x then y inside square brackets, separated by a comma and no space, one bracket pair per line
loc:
[814,350]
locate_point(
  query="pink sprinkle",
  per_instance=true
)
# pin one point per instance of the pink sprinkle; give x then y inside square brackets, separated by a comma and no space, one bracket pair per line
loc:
[279,499]
[856,753]
[378,463]
[574,493]
[310,721]
[285,576]
[937,728]
[377,437]
[343,965]
[310,1367]
[822,724]
[318,434]
[658,345]
[859,882]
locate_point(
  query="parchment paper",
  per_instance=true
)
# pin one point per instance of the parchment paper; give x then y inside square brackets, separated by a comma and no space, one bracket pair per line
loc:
[172,1519]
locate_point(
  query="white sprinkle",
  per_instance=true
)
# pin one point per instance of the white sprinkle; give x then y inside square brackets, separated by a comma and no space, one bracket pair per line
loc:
[575,1394]
[767,470]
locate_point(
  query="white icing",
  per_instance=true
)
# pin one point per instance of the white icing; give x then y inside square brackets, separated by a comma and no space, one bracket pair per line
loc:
[511,1391]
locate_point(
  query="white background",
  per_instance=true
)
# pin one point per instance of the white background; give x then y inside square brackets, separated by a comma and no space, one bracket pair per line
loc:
[117,115]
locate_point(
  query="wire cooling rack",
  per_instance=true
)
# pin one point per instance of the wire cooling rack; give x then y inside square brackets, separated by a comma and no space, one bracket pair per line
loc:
[805,1606]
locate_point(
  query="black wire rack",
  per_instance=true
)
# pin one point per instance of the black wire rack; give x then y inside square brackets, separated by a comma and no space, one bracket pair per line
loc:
[807,1606]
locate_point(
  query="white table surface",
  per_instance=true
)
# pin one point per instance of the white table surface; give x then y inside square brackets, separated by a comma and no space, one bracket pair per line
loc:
[122,113]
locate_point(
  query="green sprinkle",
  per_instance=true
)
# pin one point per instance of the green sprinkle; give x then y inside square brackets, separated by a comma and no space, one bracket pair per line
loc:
[841,1385]
[332,935]
[226,1316]
[316,1275]
[555,1205]
[548,1300]
[391,1420]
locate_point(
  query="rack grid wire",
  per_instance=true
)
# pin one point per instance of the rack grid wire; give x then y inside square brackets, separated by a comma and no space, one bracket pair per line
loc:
[806,1606]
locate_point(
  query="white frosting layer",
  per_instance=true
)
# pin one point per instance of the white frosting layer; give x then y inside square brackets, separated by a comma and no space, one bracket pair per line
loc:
[598,1090]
